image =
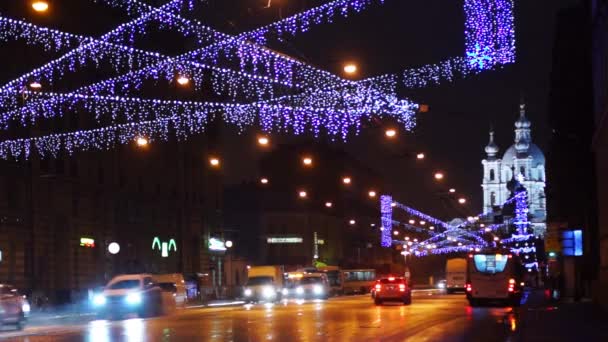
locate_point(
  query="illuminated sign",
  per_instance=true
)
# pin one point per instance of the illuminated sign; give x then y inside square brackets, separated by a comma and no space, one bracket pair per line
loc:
[164,247]
[284,240]
[572,243]
[87,242]
[216,245]
[320,242]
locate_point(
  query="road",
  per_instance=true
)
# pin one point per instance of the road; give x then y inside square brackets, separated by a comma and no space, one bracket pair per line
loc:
[431,317]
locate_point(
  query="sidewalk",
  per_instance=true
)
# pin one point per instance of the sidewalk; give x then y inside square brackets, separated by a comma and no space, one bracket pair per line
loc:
[541,320]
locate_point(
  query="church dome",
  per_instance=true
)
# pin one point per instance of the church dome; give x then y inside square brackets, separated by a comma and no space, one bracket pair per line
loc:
[523,121]
[538,157]
[492,149]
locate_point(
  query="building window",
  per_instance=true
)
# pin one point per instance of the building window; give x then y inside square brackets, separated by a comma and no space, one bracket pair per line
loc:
[493,199]
[492,175]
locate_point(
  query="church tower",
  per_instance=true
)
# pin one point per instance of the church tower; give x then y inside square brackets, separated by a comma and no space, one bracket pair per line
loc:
[528,162]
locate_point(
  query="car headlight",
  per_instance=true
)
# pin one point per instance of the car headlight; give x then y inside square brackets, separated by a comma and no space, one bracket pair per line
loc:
[99,300]
[133,298]
[441,285]
[247,292]
[300,290]
[268,292]
[25,307]
[317,289]
[285,292]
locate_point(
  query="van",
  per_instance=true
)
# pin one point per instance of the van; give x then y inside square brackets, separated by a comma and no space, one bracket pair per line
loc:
[176,279]
[265,283]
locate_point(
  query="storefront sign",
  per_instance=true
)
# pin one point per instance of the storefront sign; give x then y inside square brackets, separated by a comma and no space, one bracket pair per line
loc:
[164,247]
[87,242]
[216,245]
[284,240]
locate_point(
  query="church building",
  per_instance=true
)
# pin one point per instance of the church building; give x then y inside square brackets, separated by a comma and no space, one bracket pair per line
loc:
[527,161]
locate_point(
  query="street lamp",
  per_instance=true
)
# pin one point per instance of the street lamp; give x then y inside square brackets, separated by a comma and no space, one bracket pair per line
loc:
[432,228]
[113,248]
[412,221]
[422,223]
[329,204]
[40,6]
[228,244]
[439,176]
[214,162]
[393,204]
[390,133]
[420,156]
[263,141]
[142,141]
[347,180]
[35,85]
[352,222]
[350,68]
[302,194]
[395,233]
[264,180]
[462,200]
[452,190]
[183,80]
[371,194]
[307,161]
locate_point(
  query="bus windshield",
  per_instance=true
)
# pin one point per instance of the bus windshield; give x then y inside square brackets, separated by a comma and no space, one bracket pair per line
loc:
[490,263]
[255,281]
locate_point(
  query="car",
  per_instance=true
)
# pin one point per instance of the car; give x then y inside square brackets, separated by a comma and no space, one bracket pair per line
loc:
[392,289]
[311,286]
[129,294]
[14,308]
[442,284]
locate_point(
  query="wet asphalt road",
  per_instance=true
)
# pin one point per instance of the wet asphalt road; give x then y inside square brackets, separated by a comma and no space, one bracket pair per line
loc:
[431,317]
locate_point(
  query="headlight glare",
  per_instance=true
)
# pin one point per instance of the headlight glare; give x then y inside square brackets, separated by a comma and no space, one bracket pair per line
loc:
[99,300]
[268,292]
[133,298]
[317,289]
[300,290]
[248,292]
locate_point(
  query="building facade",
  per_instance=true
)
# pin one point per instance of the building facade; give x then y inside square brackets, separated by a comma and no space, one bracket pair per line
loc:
[599,10]
[524,160]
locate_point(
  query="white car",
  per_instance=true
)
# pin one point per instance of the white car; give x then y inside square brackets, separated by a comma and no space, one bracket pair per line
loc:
[177,285]
[129,294]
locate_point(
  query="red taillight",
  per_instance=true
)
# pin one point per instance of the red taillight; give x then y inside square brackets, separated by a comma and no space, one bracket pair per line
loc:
[391,279]
[469,288]
[470,256]
[511,289]
[378,287]
[511,281]
[402,287]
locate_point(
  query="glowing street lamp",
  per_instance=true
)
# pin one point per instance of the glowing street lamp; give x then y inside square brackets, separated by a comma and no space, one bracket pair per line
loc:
[40,6]
[462,200]
[393,204]
[35,85]
[142,141]
[307,161]
[264,180]
[395,233]
[371,194]
[329,204]
[183,80]
[214,162]
[228,244]
[422,223]
[347,180]
[390,133]
[420,156]
[452,190]
[263,141]
[412,221]
[439,176]
[352,222]
[350,68]
[303,194]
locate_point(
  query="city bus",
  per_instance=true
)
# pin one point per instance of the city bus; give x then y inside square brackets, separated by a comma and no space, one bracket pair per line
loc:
[493,277]
[357,281]
[335,278]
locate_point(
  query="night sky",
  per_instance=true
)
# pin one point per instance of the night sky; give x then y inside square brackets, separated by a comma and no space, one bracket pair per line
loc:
[381,40]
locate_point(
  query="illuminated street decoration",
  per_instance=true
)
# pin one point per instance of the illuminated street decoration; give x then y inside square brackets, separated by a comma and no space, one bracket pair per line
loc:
[164,247]
[325,101]
[87,242]
[113,248]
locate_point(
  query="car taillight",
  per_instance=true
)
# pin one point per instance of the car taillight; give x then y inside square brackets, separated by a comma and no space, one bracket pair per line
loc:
[469,288]
[402,287]
[378,287]
[511,281]
[511,285]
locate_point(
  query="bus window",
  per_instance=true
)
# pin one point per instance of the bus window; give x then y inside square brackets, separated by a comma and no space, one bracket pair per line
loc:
[490,264]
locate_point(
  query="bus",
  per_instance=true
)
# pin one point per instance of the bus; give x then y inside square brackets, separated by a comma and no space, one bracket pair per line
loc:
[493,277]
[335,278]
[357,281]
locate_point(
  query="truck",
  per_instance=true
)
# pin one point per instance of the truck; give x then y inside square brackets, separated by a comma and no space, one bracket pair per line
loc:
[265,283]
[455,274]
